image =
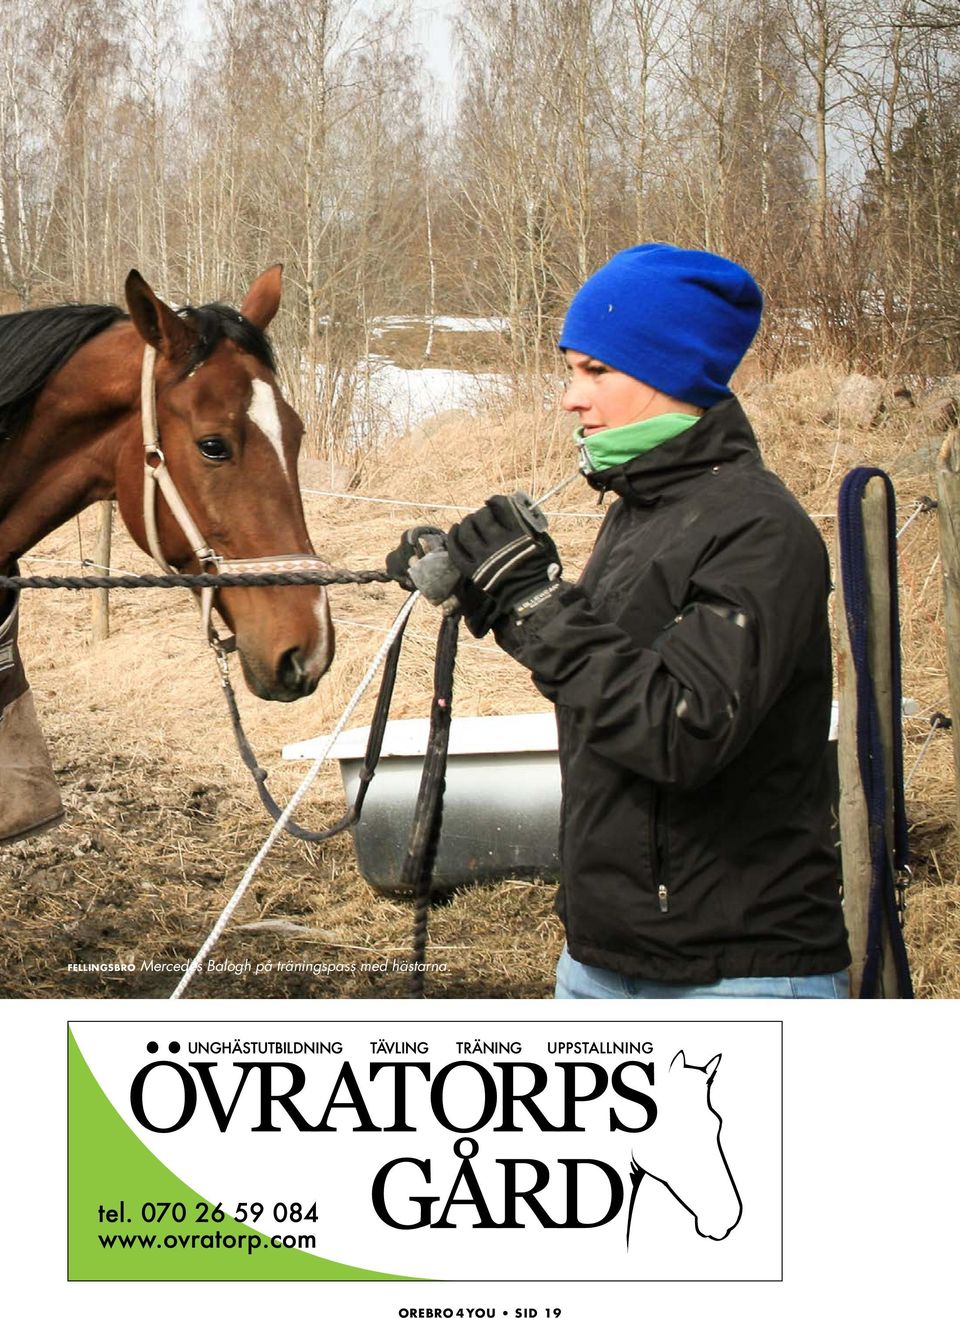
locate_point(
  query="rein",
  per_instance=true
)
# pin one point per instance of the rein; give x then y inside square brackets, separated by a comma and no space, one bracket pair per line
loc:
[419,862]
[371,756]
[421,854]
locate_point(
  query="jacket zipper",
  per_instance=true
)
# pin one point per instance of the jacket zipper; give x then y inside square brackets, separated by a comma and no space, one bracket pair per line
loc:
[659,849]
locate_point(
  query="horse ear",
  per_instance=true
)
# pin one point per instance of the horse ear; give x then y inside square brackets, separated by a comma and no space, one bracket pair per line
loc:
[263,297]
[711,1066]
[156,323]
[679,1058]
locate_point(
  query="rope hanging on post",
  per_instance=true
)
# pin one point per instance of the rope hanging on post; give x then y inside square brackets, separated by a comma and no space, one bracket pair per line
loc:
[883,911]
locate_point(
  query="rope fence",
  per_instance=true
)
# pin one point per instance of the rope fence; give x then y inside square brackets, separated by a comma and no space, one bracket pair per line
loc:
[130,581]
[412,503]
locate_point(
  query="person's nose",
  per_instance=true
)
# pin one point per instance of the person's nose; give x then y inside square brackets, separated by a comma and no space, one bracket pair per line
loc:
[572,399]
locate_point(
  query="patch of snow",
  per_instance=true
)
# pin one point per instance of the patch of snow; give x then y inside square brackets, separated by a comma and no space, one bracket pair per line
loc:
[391,400]
[472,324]
[459,324]
[404,398]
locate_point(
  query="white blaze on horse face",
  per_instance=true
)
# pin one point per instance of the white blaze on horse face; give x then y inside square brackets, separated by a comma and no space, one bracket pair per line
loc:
[322,651]
[264,415]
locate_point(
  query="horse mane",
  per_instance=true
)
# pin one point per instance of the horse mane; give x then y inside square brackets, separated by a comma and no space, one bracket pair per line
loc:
[35,344]
[216,321]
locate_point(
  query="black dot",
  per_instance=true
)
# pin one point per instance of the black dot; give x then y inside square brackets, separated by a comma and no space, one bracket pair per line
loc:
[174,1047]
[152,1047]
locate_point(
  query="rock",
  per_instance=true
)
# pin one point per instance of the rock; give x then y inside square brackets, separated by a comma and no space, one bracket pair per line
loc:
[858,402]
[921,462]
[939,406]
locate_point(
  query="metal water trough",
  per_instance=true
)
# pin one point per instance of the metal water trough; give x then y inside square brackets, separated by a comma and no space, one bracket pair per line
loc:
[501,807]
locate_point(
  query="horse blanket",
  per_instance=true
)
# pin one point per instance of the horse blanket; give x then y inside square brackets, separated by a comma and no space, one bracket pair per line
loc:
[29,796]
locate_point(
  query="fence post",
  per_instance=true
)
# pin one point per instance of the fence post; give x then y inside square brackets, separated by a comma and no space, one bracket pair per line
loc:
[854,828]
[948,515]
[100,599]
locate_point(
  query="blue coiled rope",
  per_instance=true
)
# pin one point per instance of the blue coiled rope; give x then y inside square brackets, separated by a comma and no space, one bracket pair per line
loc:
[883,915]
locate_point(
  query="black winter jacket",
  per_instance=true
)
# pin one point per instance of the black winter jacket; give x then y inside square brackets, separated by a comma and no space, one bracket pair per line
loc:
[690,669]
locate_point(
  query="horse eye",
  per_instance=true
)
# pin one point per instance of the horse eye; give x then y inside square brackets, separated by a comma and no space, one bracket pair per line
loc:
[215,448]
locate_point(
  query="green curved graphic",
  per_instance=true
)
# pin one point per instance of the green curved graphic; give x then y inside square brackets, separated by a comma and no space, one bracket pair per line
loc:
[109,1165]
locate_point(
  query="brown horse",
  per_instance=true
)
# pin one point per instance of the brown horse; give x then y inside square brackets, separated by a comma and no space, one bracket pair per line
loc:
[72,432]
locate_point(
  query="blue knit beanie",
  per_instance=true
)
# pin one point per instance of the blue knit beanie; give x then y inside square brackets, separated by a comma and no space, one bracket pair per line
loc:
[676,319]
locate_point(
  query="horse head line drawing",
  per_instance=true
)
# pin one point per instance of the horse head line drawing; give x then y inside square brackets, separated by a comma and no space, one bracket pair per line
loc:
[682,1151]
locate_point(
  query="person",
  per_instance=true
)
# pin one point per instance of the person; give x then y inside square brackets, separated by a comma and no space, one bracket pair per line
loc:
[690,665]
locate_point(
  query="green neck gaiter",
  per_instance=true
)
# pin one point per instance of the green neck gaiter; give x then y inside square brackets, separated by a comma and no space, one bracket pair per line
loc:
[608,448]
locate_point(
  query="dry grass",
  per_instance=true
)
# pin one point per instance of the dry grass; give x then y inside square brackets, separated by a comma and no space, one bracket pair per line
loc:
[162,820]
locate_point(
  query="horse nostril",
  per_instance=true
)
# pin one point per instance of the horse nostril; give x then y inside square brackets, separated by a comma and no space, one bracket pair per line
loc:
[291,672]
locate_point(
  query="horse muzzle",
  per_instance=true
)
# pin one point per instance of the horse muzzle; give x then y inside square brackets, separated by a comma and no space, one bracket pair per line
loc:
[277,671]
[291,680]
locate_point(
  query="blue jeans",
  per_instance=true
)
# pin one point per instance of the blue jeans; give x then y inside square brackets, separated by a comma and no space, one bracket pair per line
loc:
[575,980]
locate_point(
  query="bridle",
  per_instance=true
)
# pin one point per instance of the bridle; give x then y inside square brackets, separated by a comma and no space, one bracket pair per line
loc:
[157,476]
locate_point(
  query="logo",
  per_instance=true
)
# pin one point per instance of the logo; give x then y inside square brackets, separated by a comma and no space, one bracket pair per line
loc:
[602,1136]
[683,1152]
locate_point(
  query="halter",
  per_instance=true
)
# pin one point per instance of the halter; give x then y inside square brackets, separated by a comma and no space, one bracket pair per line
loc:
[156,475]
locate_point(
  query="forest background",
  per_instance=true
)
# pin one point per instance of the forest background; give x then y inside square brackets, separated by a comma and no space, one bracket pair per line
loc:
[816,141]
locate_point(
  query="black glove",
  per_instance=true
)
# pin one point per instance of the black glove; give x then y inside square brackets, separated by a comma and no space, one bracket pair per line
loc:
[421,562]
[414,544]
[507,566]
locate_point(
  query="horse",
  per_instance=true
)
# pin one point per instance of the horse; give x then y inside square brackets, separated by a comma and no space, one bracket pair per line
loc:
[178,416]
[681,1149]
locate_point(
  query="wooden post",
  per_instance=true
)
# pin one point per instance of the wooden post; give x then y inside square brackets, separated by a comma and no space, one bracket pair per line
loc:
[854,838]
[948,515]
[100,601]
[854,828]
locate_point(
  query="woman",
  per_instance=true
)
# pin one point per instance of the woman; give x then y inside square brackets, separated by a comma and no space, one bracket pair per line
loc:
[690,664]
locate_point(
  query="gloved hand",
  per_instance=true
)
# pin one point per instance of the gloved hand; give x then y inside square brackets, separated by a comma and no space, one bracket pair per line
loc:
[421,562]
[414,543]
[507,566]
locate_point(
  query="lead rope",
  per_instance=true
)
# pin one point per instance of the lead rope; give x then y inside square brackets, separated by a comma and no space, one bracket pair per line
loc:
[885,910]
[425,833]
[289,810]
[419,862]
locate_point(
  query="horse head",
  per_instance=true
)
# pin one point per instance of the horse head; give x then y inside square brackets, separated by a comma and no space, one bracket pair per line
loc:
[682,1149]
[229,442]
